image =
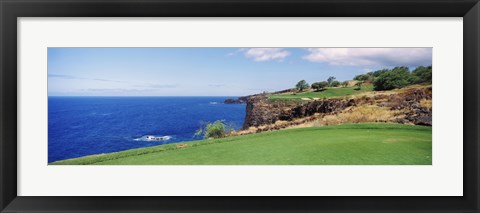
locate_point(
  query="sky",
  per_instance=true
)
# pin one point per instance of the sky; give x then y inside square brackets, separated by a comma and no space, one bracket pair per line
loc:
[212,71]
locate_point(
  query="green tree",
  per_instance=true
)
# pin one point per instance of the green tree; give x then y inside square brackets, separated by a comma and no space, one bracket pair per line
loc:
[398,77]
[335,84]
[331,79]
[345,83]
[370,76]
[378,72]
[217,129]
[363,77]
[302,85]
[422,74]
[318,86]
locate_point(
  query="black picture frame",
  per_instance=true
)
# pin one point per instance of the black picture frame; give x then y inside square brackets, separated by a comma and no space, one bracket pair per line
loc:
[10,10]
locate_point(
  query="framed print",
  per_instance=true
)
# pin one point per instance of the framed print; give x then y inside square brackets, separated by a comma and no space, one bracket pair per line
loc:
[257,106]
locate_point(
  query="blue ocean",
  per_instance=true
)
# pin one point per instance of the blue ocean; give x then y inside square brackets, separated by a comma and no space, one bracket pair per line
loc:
[80,126]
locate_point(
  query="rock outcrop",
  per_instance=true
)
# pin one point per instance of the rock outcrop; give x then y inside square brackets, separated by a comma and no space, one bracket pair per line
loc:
[411,102]
[261,111]
[240,100]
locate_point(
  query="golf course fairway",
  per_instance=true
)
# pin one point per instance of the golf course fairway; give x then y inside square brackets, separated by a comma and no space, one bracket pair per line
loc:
[346,144]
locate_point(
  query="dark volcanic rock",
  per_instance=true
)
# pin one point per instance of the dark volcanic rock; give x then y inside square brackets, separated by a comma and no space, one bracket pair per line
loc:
[260,111]
[320,106]
[424,119]
[418,114]
[233,101]
[240,100]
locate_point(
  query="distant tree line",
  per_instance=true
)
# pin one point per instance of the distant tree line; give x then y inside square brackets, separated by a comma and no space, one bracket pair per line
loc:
[384,79]
[319,86]
[398,77]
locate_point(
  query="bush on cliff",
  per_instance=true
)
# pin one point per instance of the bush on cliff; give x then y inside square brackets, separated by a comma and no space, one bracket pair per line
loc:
[217,129]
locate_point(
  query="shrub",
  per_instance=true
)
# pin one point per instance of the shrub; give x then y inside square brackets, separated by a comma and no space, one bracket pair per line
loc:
[363,77]
[378,72]
[398,77]
[335,84]
[422,74]
[403,77]
[217,129]
[319,85]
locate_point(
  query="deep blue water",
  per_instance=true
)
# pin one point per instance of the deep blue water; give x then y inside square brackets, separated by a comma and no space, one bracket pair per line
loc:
[80,126]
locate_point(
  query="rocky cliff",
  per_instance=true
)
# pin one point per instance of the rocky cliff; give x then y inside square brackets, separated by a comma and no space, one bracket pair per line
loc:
[261,111]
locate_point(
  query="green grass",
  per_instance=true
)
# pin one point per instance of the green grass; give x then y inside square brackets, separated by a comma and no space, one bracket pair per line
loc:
[347,144]
[328,93]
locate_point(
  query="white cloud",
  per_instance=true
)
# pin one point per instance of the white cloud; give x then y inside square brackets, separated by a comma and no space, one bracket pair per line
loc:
[372,57]
[265,54]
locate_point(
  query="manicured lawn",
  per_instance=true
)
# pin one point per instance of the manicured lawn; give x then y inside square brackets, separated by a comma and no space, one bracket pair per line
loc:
[347,144]
[328,93]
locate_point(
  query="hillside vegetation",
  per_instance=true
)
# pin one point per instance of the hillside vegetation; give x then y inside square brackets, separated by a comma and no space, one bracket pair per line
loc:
[379,80]
[347,144]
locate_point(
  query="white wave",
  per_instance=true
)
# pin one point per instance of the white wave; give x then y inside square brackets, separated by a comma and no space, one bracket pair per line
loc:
[153,138]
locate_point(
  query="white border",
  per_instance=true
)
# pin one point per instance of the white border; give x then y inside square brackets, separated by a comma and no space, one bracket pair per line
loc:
[443,178]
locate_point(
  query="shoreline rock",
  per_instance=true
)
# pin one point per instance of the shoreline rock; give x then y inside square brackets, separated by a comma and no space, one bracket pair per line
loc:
[233,101]
[240,100]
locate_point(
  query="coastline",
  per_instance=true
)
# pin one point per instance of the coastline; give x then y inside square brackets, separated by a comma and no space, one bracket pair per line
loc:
[81,126]
[319,113]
